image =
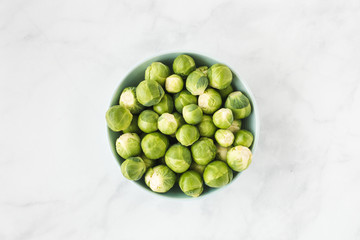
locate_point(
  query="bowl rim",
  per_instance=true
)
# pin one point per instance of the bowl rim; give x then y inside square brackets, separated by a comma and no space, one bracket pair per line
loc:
[250,94]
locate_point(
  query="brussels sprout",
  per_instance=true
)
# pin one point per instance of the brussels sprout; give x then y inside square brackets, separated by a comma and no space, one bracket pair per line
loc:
[133,128]
[243,138]
[160,178]
[203,69]
[183,65]
[221,152]
[235,126]
[182,99]
[197,167]
[179,118]
[133,168]
[148,162]
[206,127]
[149,93]
[178,158]
[187,134]
[226,91]
[168,124]
[239,158]
[224,137]
[154,145]
[166,105]
[128,100]
[196,82]
[217,174]
[174,83]
[239,104]
[192,114]
[118,118]
[191,183]
[128,145]
[220,76]
[210,101]
[147,121]
[223,118]
[157,71]
[203,151]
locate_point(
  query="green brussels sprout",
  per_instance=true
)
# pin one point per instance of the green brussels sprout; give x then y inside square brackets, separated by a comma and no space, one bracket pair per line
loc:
[226,91]
[149,93]
[183,65]
[192,114]
[166,105]
[168,124]
[174,83]
[235,126]
[187,134]
[128,145]
[220,76]
[179,118]
[206,127]
[197,167]
[196,82]
[157,71]
[224,137]
[221,152]
[203,151]
[133,168]
[160,178]
[128,100]
[148,162]
[203,69]
[147,121]
[182,99]
[243,138]
[191,183]
[178,158]
[223,118]
[154,145]
[133,128]
[217,174]
[239,158]
[118,118]
[239,104]
[210,101]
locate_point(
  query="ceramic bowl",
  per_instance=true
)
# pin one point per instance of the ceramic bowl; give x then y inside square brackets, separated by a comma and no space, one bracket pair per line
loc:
[136,75]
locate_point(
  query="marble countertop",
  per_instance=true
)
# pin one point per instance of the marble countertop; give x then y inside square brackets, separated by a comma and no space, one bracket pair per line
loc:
[60,62]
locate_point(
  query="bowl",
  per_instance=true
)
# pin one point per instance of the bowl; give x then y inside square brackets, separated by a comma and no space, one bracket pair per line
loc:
[136,75]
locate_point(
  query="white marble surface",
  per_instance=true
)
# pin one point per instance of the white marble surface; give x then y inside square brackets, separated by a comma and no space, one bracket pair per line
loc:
[60,62]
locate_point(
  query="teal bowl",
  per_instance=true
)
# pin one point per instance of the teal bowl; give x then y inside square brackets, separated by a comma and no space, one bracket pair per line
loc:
[136,75]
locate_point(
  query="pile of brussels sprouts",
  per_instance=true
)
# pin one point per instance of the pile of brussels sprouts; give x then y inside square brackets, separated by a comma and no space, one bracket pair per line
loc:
[183,127]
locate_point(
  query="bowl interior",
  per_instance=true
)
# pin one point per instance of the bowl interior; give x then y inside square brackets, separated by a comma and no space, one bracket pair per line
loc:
[136,75]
